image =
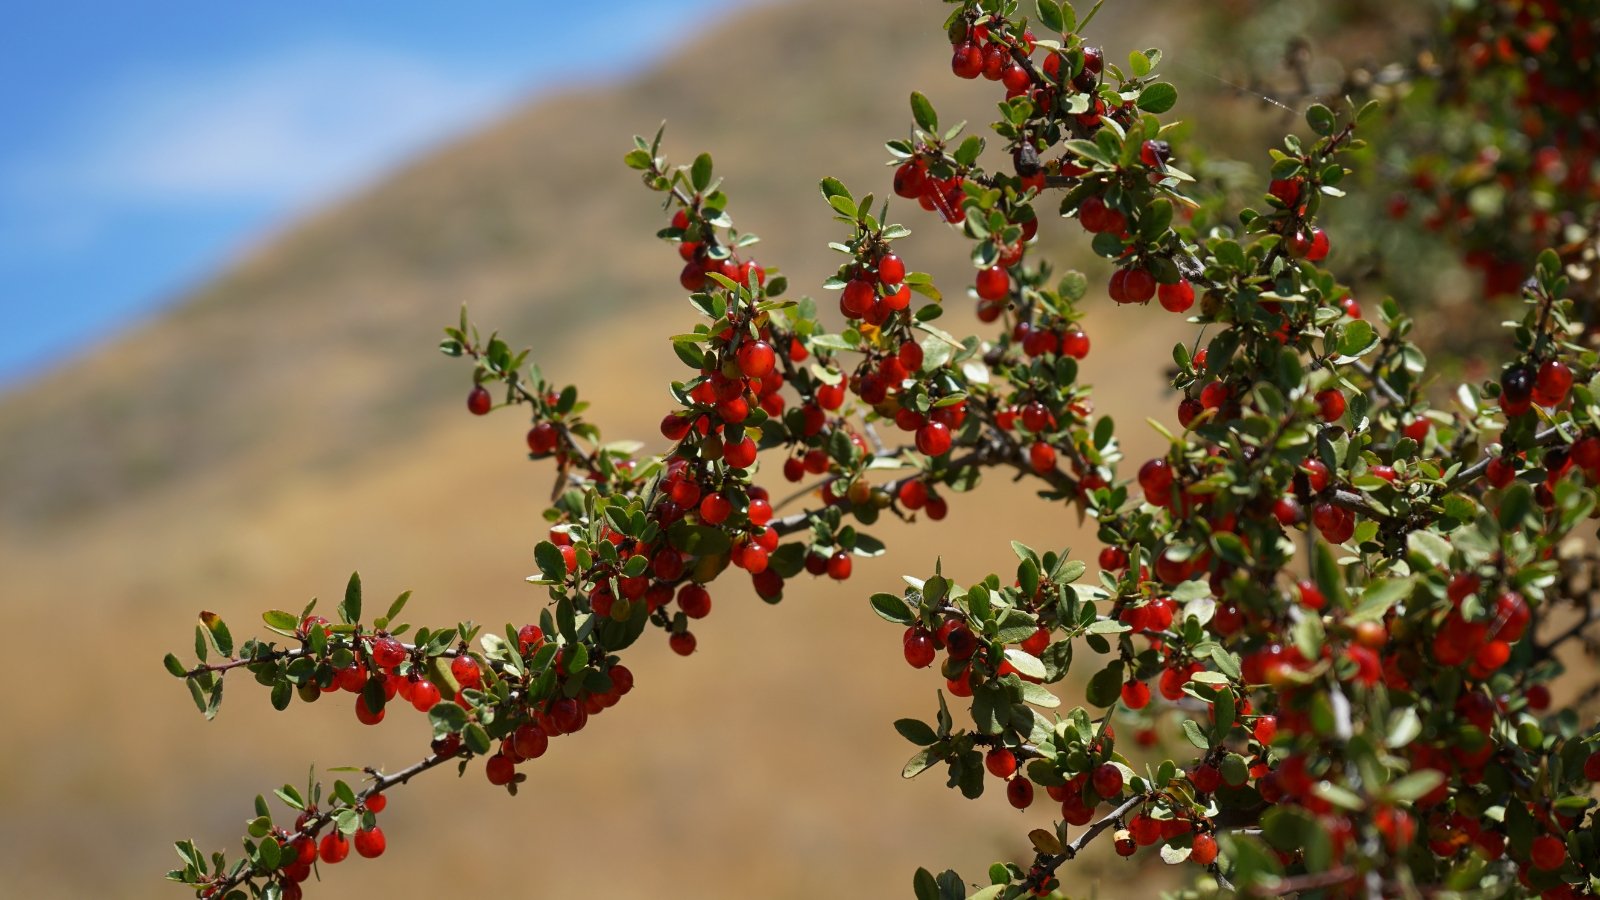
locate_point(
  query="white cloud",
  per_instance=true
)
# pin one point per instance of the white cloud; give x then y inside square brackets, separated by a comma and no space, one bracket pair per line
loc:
[283,131]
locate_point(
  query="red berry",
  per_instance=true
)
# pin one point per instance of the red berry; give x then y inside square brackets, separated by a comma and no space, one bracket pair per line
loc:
[693,277]
[1093,60]
[370,842]
[1286,190]
[1266,728]
[447,746]
[1136,695]
[1310,596]
[1188,409]
[857,299]
[1155,153]
[741,455]
[1204,850]
[1316,474]
[682,643]
[1155,478]
[933,439]
[1176,297]
[529,637]
[891,270]
[1330,403]
[500,769]
[919,649]
[479,402]
[715,508]
[909,179]
[1000,762]
[1591,766]
[967,60]
[466,672]
[1205,778]
[839,566]
[542,439]
[1417,429]
[1042,457]
[1500,472]
[675,427]
[530,741]
[695,601]
[1318,250]
[995,59]
[376,803]
[993,283]
[388,652]
[1551,385]
[364,713]
[1019,793]
[334,848]
[1214,395]
[424,695]
[1547,852]
[1124,844]
[756,359]
[1112,558]
[1107,780]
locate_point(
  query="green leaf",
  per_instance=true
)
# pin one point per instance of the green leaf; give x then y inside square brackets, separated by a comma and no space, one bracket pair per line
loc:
[833,187]
[220,638]
[174,666]
[1050,16]
[1379,597]
[1404,726]
[916,731]
[1138,64]
[1074,285]
[700,172]
[447,717]
[1191,730]
[991,707]
[1357,339]
[475,737]
[1106,685]
[1321,119]
[1415,784]
[1157,98]
[350,608]
[280,620]
[1516,501]
[922,111]
[918,763]
[1025,662]
[892,609]
[1291,828]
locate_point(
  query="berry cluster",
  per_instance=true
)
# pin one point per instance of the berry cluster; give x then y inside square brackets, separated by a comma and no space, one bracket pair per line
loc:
[1327,614]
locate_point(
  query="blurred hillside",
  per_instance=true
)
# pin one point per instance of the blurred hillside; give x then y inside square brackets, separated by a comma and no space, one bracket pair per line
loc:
[292,421]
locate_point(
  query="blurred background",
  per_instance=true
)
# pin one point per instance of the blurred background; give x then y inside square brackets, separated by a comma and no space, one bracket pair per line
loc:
[229,238]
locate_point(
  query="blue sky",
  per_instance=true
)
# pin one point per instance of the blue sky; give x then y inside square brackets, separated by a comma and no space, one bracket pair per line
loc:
[144,144]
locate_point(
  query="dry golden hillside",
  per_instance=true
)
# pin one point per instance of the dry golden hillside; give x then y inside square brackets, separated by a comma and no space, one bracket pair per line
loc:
[292,422]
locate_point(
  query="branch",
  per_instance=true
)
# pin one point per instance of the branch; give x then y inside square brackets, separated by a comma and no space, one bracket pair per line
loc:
[1045,865]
